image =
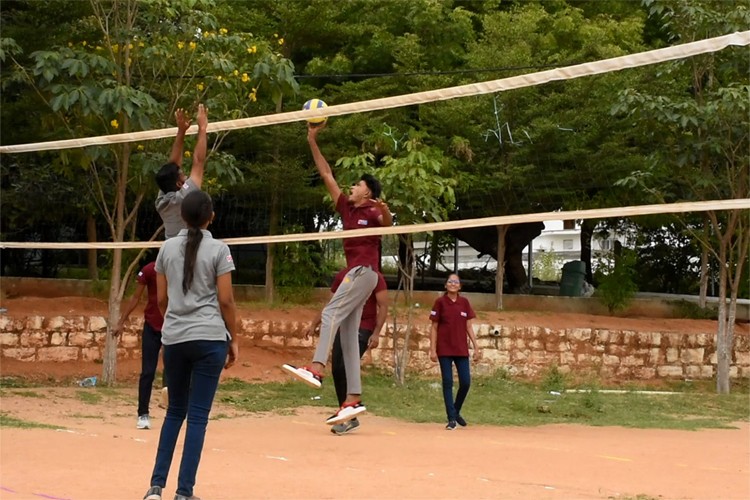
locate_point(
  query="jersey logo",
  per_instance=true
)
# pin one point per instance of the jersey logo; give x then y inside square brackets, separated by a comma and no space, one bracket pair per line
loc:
[433,313]
[464,314]
[229,258]
[362,222]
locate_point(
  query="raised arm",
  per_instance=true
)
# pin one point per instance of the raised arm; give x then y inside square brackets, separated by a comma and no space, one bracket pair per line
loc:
[385,218]
[324,169]
[201,146]
[183,123]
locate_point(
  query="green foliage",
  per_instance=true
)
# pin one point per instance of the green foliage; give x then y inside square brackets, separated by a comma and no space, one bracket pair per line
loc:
[617,281]
[414,180]
[691,310]
[553,379]
[547,266]
[299,266]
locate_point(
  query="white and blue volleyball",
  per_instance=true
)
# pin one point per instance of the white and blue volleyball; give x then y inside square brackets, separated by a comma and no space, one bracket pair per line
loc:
[315,104]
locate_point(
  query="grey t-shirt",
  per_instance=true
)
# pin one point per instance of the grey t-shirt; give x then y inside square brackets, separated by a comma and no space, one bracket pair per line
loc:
[195,315]
[169,206]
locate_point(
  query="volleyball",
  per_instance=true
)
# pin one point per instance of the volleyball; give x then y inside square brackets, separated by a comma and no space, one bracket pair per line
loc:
[315,104]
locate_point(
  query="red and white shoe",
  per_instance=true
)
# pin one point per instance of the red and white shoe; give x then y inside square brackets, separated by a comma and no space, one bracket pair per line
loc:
[305,374]
[347,412]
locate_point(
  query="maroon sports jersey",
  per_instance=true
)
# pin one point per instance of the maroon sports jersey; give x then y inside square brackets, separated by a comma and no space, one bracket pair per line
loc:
[151,314]
[365,250]
[451,318]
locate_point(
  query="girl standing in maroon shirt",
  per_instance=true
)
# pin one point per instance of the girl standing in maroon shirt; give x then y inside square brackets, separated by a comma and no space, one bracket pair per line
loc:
[451,317]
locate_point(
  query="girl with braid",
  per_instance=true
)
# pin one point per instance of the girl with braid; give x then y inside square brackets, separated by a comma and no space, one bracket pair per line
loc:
[194,293]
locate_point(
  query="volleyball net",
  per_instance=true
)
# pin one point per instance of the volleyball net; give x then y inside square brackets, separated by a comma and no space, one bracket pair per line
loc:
[475,89]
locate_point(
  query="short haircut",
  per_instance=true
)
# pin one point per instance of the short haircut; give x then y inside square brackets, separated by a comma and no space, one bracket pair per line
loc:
[167,177]
[373,184]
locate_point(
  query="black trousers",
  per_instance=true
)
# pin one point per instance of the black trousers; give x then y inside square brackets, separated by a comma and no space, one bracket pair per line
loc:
[338,371]
[150,347]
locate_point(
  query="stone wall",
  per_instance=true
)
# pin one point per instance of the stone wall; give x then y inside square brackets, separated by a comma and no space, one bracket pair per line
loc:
[523,351]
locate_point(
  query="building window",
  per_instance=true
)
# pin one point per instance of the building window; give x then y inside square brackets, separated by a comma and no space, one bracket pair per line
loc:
[567,244]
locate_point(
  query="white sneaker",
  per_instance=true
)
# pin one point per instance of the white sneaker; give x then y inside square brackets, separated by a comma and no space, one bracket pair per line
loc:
[347,412]
[164,399]
[144,422]
[305,374]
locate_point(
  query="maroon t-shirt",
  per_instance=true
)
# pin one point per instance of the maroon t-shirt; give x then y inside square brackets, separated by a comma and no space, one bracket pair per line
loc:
[151,314]
[364,250]
[451,318]
[370,310]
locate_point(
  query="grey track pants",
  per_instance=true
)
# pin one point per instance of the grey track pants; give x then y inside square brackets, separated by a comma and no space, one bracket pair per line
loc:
[343,313]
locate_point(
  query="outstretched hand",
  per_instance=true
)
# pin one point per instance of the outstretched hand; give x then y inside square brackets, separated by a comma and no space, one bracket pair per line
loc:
[202,117]
[313,129]
[182,120]
[381,205]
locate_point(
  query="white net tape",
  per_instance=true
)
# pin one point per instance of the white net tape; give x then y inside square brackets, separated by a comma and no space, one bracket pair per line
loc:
[514,82]
[598,213]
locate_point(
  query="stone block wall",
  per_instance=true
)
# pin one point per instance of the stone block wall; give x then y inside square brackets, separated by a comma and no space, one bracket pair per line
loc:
[523,351]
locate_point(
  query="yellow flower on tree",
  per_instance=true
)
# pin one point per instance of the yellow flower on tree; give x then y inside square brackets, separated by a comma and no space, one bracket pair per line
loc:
[245,78]
[281,41]
[252,96]
[140,147]
[115,124]
[236,72]
[193,45]
[199,87]
[187,154]
[252,50]
[223,31]
[180,45]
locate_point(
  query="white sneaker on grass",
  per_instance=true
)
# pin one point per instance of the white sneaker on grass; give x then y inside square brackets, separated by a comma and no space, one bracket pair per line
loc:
[144,422]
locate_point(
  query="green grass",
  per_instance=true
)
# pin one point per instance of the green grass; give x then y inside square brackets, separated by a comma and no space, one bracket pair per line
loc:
[500,400]
[15,383]
[8,421]
[89,397]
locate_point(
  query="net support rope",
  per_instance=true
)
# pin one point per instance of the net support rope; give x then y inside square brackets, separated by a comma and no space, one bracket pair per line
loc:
[596,213]
[515,82]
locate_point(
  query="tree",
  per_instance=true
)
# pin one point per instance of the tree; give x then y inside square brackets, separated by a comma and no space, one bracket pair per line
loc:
[128,65]
[703,126]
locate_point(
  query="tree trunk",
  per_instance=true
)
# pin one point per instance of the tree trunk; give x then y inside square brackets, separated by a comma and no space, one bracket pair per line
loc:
[407,271]
[723,347]
[271,247]
[93,272]
[500,273]
[109,369]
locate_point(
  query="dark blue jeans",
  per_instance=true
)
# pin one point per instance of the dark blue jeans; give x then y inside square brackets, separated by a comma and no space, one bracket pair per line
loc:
[150,347]
[193,370]
[338,370]
[453,408]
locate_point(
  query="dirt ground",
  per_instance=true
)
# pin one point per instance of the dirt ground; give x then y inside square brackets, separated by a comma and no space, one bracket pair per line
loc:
[95,452]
